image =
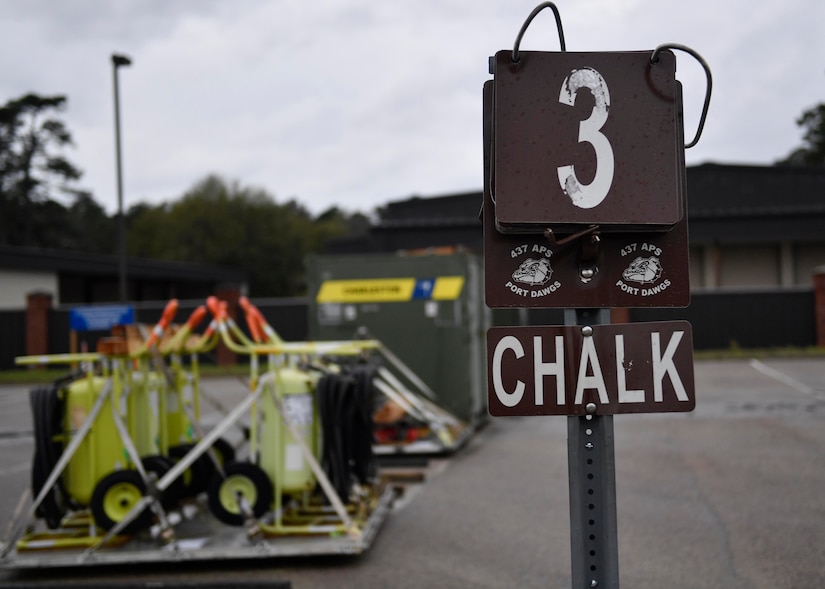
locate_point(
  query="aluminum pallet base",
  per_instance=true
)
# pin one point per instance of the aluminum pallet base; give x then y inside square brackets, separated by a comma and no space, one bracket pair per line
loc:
[204,538]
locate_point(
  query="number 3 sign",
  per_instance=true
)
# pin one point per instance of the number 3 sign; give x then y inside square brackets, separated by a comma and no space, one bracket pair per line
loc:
[586,139]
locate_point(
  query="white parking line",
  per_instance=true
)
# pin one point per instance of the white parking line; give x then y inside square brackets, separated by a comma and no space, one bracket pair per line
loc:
[17,468]
[787,380]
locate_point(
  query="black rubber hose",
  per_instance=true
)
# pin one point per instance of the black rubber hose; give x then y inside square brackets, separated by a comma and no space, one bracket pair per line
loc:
[330,394]
[345,405]
[323,399]
[47,414]
[341,438]
[362,427]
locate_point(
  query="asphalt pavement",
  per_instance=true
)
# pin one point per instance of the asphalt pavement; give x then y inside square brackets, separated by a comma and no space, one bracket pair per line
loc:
[729,496]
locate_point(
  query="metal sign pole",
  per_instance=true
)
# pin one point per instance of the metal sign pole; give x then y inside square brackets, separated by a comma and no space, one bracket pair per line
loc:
[552,242]
[592,483]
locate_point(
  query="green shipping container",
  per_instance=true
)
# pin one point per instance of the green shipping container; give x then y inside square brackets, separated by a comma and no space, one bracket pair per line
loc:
[428,309]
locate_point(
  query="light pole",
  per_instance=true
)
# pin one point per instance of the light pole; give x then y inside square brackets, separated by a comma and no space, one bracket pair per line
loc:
[117,61]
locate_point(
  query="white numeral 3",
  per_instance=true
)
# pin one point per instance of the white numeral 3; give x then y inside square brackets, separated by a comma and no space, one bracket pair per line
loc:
[587,196]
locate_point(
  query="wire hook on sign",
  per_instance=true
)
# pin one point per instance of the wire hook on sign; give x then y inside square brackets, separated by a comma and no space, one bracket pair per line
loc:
[654,58]
[527,22]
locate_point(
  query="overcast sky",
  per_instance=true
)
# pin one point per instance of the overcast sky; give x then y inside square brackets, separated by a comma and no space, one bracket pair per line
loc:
[356,103]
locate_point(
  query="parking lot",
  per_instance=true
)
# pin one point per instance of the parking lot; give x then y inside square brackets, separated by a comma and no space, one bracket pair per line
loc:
[729,496]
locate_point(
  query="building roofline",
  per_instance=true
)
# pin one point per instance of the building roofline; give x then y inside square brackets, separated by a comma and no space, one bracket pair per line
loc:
[708,191]
[761,168]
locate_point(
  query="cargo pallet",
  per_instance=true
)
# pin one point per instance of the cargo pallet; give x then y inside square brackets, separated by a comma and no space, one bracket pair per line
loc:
[310,522]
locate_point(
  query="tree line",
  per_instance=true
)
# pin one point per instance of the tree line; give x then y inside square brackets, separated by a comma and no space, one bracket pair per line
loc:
[217,221]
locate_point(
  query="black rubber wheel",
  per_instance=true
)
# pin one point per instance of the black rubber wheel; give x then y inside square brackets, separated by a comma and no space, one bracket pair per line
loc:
[245,479]
[198,476]
[160,465]
[195,478]
[224,450]
[115,496]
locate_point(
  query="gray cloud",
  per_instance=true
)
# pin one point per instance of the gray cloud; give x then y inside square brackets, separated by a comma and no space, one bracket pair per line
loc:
[354,103]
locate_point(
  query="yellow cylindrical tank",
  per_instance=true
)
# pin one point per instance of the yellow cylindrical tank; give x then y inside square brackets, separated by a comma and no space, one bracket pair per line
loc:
[101,451]
[147,391]
[184,396]
[281,456]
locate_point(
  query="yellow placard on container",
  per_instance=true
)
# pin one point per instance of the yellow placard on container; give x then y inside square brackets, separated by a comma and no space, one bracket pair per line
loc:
[447,288]
[389,290]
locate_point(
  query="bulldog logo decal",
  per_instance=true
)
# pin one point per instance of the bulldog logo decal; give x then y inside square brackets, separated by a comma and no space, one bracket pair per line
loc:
[532,278]
[533,272]
[643,270]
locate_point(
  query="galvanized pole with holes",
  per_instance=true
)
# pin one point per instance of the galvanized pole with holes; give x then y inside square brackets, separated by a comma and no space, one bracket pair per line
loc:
[591,468]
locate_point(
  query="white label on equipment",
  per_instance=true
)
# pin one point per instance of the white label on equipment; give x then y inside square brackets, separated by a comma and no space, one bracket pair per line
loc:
[294,459]
[298,409]
[154,403]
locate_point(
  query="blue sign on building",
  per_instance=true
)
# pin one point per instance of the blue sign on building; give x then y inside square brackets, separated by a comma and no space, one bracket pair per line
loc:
[99,317]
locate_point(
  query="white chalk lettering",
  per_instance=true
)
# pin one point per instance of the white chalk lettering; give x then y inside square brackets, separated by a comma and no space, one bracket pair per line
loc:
[542,369]
[663,365]
[507,399]
[625,395]
[594,381]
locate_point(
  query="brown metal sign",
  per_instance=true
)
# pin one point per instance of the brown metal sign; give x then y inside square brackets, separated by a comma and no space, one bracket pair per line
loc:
[599,370]
[596,270]
[586,139]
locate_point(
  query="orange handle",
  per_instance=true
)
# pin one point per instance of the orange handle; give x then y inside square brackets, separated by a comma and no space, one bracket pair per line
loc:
[207,333]
[214,305]
[196,317]
[165,319]
[251,319]
[259,318]
[169,313]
